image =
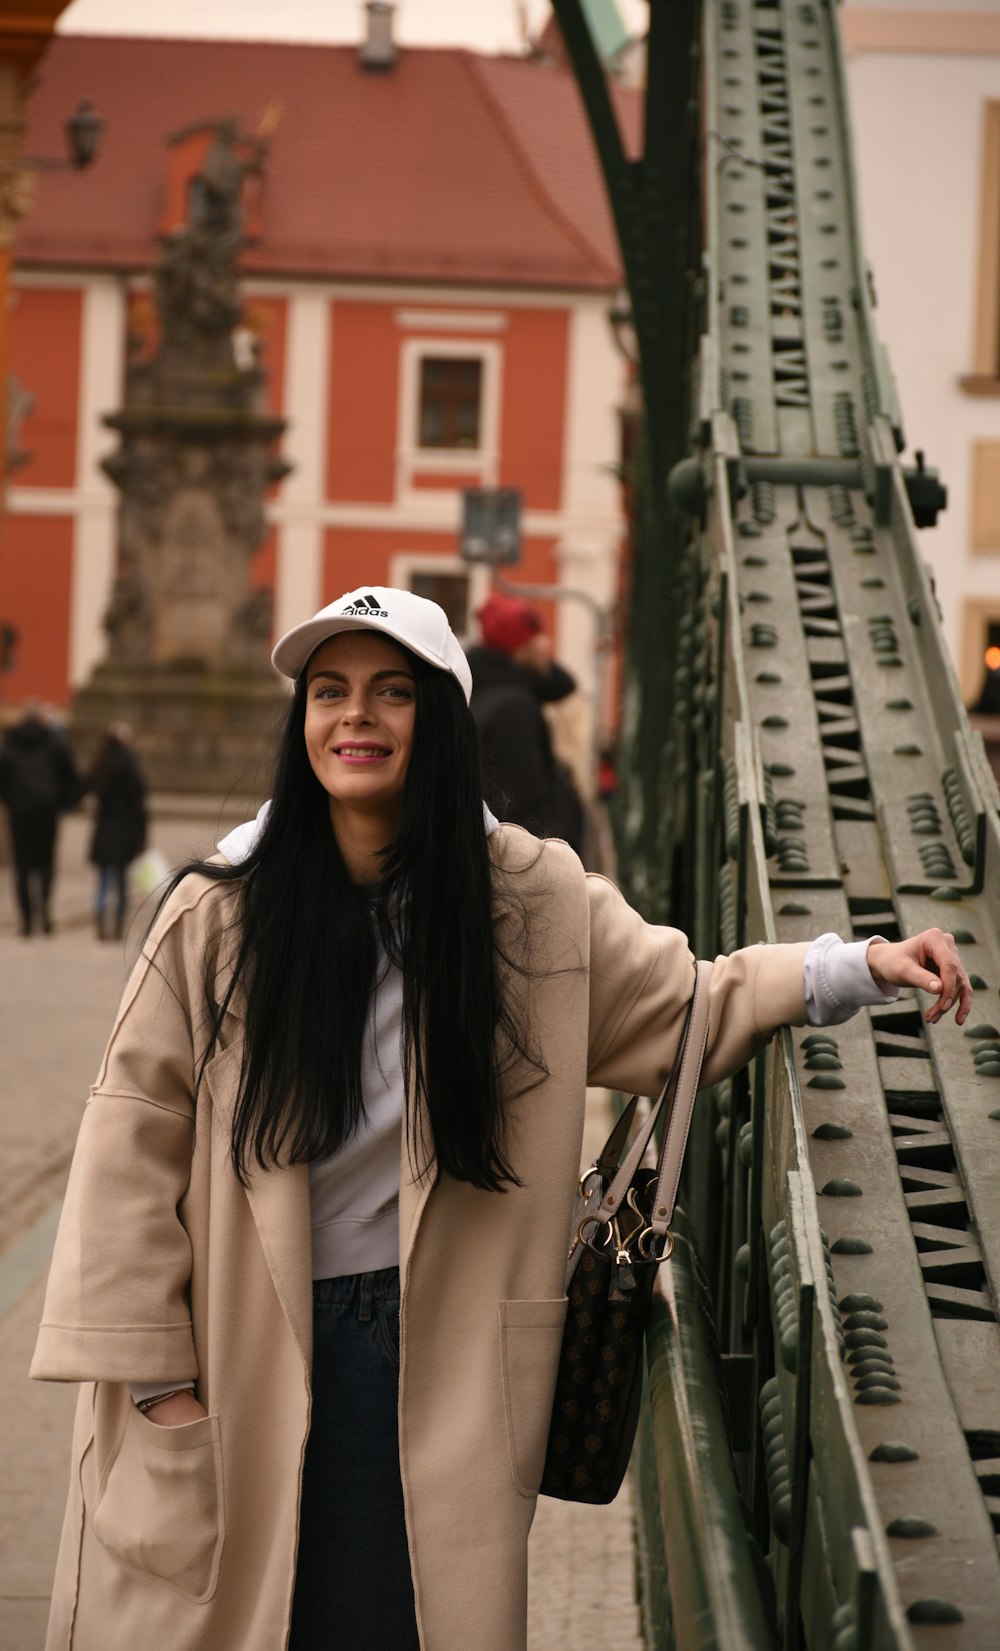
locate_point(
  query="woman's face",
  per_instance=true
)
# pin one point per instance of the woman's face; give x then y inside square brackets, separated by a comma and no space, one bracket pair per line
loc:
[360,706]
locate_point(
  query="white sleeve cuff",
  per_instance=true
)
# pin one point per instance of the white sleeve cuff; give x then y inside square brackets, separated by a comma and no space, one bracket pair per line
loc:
[838,981]
[149,1390]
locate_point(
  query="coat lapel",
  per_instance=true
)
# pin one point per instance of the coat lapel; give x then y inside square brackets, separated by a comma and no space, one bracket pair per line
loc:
[279,1200]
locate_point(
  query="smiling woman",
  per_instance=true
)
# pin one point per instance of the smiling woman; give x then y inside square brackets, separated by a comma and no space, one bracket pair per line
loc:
[360,712]
[311,1263]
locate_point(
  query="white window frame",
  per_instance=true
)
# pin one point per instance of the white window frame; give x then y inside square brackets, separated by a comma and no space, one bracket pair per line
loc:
[405,563]
[481,465]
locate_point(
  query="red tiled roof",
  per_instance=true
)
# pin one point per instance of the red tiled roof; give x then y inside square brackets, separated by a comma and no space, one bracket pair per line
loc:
[452,167]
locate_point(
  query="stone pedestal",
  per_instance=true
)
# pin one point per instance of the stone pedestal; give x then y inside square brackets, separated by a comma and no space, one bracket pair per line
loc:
[195,730]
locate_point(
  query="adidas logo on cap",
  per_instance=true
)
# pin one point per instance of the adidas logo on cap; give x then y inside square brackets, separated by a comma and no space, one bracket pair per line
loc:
[365,607]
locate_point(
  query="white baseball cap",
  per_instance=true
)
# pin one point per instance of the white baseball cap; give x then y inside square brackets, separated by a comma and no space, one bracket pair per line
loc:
[414,621]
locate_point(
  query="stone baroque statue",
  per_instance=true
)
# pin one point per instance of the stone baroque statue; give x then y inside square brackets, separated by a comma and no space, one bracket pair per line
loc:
[197,455]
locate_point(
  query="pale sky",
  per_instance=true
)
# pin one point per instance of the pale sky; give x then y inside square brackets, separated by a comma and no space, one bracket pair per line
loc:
[489,25]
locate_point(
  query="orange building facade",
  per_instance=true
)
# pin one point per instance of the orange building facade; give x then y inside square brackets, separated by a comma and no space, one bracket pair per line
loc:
[399,390]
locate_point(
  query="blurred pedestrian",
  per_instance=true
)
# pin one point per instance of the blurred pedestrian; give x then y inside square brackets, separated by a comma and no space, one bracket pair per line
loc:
[513,676]
[120,827]
[38,781]
[311,1260]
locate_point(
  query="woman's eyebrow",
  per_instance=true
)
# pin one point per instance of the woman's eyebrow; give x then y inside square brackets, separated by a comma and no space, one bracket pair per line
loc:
[379,676]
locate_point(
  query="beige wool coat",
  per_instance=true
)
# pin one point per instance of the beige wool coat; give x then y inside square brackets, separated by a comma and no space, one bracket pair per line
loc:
[166,1267]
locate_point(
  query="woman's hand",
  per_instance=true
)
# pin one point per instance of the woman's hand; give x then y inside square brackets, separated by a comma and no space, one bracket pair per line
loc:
[175,1411]
[930,961]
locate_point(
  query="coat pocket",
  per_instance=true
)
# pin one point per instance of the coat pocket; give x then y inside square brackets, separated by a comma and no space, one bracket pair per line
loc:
[530,1338]
[160,1505]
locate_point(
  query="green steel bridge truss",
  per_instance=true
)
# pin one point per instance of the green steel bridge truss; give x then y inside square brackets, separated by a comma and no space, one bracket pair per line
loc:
[819,1461]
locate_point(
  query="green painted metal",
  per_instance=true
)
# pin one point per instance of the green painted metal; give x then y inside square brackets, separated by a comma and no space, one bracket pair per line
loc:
[800,761]
[711,1570]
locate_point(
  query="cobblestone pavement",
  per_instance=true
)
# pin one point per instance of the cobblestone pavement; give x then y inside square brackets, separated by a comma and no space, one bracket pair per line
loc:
[57,1001]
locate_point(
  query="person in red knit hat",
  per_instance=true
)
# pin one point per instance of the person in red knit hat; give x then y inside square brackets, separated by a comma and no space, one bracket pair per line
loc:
[513,676]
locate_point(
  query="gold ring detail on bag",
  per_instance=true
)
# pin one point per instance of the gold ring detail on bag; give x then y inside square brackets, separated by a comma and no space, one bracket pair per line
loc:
[648,1237]
[585,1191]
[592,1221]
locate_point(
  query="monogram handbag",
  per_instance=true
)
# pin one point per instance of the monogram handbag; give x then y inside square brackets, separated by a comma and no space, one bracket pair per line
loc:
[620,1233]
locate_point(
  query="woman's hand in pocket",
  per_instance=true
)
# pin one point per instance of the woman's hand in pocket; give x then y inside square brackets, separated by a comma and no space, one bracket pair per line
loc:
[177,1410]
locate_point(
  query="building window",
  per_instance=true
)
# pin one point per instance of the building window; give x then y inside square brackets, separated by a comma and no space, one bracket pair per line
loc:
[986,343]
[985,502]
[450,591]
[450,402]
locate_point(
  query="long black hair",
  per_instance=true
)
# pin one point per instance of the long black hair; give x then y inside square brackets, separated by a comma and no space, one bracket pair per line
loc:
[306,959]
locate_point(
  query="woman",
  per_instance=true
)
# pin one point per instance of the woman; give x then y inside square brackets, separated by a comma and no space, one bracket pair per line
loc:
[339,1121]
[120,827]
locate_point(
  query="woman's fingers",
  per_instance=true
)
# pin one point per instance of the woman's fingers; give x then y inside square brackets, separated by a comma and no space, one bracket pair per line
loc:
[929,961]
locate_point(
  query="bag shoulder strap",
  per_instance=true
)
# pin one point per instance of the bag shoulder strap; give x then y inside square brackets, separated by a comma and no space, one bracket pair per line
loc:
[682,1086]
[679,1123]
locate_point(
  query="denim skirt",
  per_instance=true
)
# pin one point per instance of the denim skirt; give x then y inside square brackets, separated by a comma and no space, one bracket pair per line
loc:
[353,1588]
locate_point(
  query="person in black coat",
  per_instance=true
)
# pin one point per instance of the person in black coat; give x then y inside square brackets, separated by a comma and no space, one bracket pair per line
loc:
[37,782]
[120,827]
[513,676]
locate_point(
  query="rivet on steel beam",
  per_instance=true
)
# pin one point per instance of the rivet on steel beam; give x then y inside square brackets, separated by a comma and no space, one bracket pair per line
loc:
[933,1610]
[892,1450]
[864,1338]
[832,1132]
[982,1029]
[858,1303]
[794,908]
[865,1363]
[910,1525]
[865,1319]
[826,1080]
[869,1380]
[851,1246]
[877,1395]
[841,1187]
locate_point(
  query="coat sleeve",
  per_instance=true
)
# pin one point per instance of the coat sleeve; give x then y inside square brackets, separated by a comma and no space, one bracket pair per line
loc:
[117,1305]
[641,979]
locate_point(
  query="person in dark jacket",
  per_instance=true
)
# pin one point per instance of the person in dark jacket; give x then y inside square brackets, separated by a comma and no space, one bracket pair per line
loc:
[37,782]
[513,676]
[120,827]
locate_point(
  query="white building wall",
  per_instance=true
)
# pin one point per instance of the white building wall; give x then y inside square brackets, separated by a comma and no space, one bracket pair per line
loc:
[591,536]
[918,129]
[102,345]
[299,571]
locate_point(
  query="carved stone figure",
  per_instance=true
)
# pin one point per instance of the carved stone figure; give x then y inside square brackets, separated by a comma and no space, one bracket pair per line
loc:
[185,630]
